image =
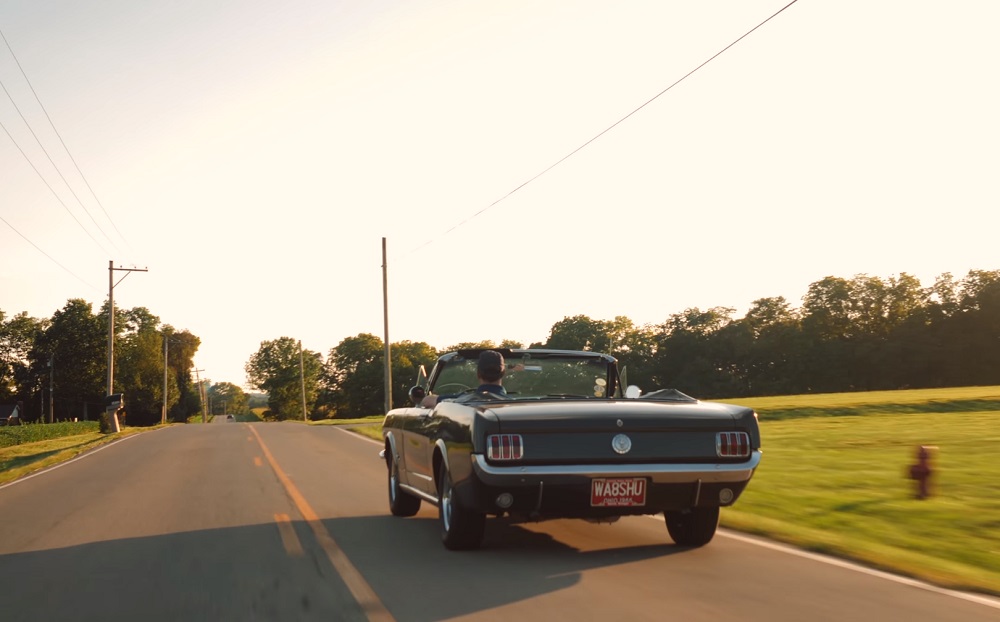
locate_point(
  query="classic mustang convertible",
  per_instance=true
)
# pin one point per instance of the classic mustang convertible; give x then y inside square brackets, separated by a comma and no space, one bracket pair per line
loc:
[566,441]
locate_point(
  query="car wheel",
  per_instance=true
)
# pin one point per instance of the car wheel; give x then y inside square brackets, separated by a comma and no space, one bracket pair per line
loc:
[461,529]
[400,503]
[694,527]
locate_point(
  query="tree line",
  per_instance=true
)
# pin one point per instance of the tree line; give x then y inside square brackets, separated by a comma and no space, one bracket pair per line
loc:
[850,334]
[56,368]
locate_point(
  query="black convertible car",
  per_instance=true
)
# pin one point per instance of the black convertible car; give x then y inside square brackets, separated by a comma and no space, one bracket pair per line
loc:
[566,441]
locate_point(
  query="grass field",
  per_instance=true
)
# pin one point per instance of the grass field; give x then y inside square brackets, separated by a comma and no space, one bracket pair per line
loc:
[838,483]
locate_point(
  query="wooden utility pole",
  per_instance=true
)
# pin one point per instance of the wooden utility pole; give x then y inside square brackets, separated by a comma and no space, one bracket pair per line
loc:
[302,381]
[113,417]
[385,321]
[166,349]
[201,395]
[52,376]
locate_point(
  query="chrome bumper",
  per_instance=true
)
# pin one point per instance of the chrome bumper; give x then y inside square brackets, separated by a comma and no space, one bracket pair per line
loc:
[493,475]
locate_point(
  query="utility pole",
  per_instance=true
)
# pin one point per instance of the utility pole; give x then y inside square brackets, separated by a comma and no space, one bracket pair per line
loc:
[385,321]
[166,348]
[111,332]
[52,401]
[302,381]
[201,395]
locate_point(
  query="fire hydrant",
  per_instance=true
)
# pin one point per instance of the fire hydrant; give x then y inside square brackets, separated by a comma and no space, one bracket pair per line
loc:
[921,472]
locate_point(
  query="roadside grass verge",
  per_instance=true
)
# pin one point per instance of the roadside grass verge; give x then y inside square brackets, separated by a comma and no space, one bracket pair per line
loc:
[20,460]
[370,427]
[838,484]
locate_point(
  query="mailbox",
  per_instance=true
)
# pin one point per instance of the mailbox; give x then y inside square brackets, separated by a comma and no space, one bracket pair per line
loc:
[114,402]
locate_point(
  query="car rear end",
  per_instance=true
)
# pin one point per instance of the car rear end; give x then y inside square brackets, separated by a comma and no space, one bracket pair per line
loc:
[604,458]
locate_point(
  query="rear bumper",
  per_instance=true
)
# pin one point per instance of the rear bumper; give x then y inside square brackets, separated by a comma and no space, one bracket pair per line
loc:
[564,491]
[492,475]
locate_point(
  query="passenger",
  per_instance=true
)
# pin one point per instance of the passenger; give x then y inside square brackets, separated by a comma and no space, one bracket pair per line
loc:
[489,372]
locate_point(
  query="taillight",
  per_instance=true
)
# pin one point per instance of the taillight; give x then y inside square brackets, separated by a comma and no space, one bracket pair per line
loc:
[732,444]
[504,447]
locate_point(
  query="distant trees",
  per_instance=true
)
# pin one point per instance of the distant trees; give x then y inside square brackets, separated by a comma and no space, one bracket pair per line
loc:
[354,374]
[274,369]
[862,333]
[61,363]
[228,399]
[849,334]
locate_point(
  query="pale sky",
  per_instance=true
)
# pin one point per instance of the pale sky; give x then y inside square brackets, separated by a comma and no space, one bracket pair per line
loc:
[252,155]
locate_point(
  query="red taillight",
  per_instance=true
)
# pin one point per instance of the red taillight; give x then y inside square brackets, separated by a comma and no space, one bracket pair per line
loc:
[504,447]
[732,444]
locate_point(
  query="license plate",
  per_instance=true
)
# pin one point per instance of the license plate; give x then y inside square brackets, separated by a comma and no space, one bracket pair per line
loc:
[618,492]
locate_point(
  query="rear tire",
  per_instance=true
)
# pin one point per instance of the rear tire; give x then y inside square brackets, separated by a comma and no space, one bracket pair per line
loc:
[461,529]
[400,503]
[694,527]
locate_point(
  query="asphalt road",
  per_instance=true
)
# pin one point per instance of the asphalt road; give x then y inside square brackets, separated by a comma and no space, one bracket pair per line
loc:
[289,522]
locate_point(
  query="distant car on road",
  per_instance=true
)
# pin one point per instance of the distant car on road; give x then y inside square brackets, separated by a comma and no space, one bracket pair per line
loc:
[568,440]
[230,417]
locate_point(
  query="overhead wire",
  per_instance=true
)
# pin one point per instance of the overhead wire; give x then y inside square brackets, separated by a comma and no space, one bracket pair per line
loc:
[599,134]
[52,259]
[51,189]
[63,143]
[54,165]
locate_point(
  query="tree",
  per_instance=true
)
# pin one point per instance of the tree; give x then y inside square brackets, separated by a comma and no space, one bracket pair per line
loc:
[579,333]
[407,358]
[274,368]
[17,336]
[139,372]
[75,342]
[355,377]
[227,398]
[690,354]
[775,358]
[180,362]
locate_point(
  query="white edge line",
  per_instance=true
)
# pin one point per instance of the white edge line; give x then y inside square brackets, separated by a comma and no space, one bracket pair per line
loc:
[832,561]
[848,565]
[344,429]
[71,461]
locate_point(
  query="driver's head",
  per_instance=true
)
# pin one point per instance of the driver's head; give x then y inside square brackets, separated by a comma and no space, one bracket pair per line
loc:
[491,366]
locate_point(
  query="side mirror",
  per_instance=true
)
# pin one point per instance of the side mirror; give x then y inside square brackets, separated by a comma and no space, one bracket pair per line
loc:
[417,394]
[632,392]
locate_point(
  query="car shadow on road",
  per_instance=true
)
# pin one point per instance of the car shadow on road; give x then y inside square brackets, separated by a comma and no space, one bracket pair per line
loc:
[405,563]
[248,572]
[235,573]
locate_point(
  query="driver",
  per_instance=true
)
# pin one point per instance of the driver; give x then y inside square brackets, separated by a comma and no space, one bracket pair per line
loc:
[489,371]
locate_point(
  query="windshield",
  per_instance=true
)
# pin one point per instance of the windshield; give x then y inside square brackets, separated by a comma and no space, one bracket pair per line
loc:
[527,377]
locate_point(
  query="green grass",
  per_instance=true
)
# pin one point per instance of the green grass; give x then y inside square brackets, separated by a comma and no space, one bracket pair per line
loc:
[370,427]
[33,432]
[839,485]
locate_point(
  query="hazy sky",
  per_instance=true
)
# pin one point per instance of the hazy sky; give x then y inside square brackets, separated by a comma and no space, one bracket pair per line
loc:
[252,155]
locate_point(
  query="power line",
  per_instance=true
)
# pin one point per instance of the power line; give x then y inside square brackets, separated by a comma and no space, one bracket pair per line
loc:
[46,152]
[54,165]
[601,133]
[58,135]
[49,186]
[78,277]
